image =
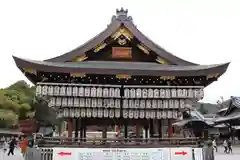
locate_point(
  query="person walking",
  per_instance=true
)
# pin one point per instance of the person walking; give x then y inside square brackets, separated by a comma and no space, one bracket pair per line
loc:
[12,146]
[225,145]
[5,146]
[229,146]
[214,144]
[23,146]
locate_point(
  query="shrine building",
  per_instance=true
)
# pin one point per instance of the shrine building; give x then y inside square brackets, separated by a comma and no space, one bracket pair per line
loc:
[120,77]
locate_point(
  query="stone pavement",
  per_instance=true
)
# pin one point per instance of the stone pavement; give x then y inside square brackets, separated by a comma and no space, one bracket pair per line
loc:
[17,156]
[220,155]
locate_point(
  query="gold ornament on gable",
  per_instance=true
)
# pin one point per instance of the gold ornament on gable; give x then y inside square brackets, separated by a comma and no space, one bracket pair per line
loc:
[100,47]
[29,70]
[143,48]
[210,76]
[161,61]
[122,31]
[123,76]
[81,75]
[167,78]
[80,58]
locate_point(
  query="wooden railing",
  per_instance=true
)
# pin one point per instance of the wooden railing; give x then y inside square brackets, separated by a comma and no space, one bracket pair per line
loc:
[117,142]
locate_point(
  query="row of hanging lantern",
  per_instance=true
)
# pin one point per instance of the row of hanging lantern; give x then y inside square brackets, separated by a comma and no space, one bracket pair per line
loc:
[115,113]
[114,92]
[163,93]
[114,103]
[76,91]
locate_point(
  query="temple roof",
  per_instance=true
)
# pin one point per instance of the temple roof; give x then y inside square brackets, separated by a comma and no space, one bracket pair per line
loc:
[174,65]
[116,67]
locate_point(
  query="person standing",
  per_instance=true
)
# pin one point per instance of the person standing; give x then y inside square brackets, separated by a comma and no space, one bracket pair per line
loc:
[5,146]
[12,146]
[229,146]
[225,145]
[214,144]
[23,146]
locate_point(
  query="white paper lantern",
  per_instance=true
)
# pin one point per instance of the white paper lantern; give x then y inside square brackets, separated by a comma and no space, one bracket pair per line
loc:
[147,114]
[150,93]
[62,91]
[99,92]
[81,91]
[176,103]
[159,115]
[117,103]
[76,102]
[58,102]
[173,93]
[185,93]
[117,93]
[82,102]
[65,112]
[94,113]
[93,92]
[153,114]
[132,93]
[154,104]
[182,103]
[170,115]
[111,103]
[105,103]
[83,112]
[69,91]
[164,114]
[111,92]
[111,113]
[75,91]
[87,91]
[126,93]
[56,91]
[125,113]
[201,94]
[148,103]
[156,93]
[135,114]
[180,93]
[38,90]
[190,93]
[131,104]
[94,102]
[50,90]
[171,103]
[100,113]
[130,113]
[77,113]
[175,115]
[72,114]
[160,104]
[125,103]
[88,102]
[162,93]
[105,92]
[137,103]
[89,112]
[64,102]
[44,90]
[52,102]
[100,102]
[117,113]
[142,103]
[168,93]
[70,102]
[165,103]
[142,114]
[105,113]
[138,93]
[144,93]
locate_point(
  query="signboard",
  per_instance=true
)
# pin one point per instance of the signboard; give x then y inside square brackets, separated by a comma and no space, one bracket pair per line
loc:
[181,153]
[111,154]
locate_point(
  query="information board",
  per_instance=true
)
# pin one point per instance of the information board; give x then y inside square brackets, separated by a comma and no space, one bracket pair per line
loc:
[111,154]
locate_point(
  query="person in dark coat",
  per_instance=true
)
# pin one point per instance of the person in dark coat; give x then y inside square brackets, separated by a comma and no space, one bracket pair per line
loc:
[12,146]
[229,145]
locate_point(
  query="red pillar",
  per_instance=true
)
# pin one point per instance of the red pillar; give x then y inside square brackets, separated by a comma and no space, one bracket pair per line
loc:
[70,127]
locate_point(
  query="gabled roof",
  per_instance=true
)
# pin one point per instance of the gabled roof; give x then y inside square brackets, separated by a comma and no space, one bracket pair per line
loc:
[121,19]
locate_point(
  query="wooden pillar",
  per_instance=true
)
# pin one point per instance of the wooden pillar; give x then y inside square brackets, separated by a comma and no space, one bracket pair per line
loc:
[138,130]
[104,134]
[70,127]
[76,128]
[125,130]
[81,129]
[159,128]
[170,128]
[84,130]
[146,127]
[151,129]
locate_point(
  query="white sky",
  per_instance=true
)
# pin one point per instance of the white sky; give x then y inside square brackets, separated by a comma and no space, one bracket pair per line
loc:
[201,31]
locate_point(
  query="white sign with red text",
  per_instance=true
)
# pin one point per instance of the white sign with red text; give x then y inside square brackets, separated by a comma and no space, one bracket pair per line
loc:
[111,154]
[181,153]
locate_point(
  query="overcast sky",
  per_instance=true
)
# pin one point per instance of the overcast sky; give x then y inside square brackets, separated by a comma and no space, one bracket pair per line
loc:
[201,31]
